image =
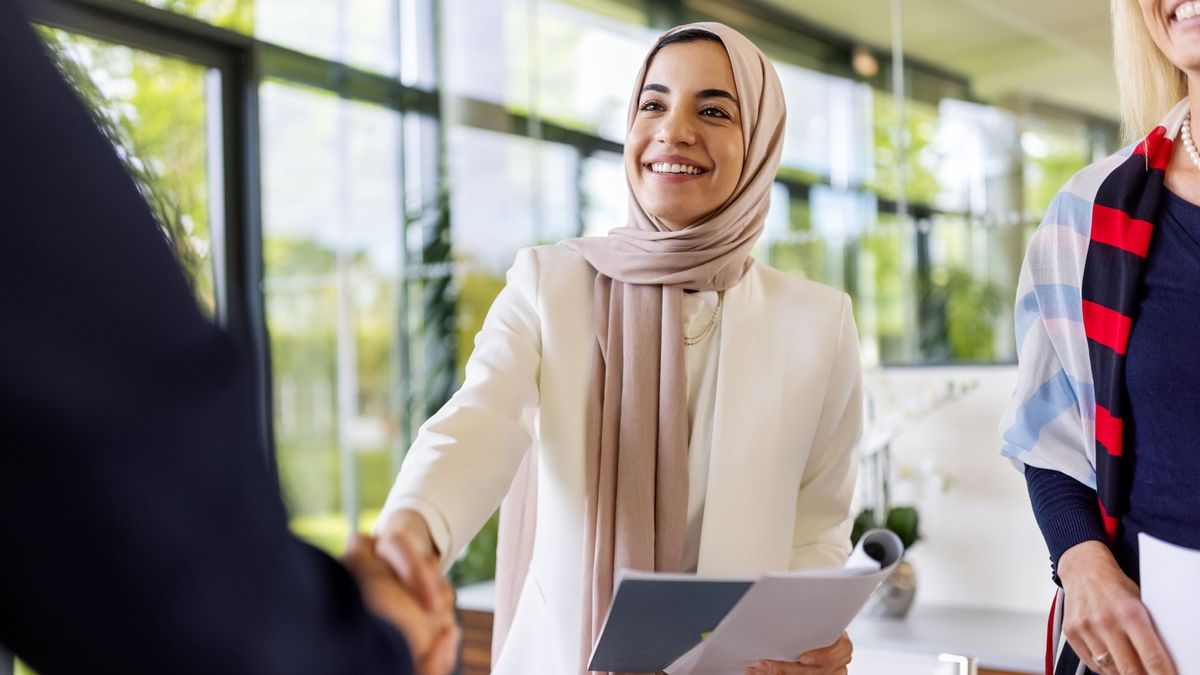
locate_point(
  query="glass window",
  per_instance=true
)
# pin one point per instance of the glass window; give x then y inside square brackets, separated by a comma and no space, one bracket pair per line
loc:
[233,14]
[884,304]
[605,195]
[156,111]
[359,32]
[921,156]
[565,63]
[1054,149]
[828,127]
[508,192]
[332,224]
[585,65]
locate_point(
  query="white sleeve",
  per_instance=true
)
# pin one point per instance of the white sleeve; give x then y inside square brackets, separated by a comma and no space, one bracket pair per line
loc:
[823,518]
[464,458]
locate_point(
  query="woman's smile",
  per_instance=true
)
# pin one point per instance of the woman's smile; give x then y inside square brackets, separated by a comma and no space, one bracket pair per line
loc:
[684,153]
[1185,12]
[1174,26]
[673,169]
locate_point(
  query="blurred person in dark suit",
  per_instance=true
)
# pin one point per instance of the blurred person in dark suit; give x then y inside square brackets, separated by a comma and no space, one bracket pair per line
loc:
[141,530]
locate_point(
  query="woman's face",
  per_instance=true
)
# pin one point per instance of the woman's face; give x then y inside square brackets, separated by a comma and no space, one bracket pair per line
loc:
[684,152]
[1174,26]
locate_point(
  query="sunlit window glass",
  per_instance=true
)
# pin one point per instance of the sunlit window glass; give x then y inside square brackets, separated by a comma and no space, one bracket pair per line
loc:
[565,62]
[156,111]
[363,33]
[604,192]
[331,212]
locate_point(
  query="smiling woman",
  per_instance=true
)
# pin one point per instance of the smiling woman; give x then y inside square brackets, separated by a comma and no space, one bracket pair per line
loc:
[603,354]
[1113,460]
[684,150]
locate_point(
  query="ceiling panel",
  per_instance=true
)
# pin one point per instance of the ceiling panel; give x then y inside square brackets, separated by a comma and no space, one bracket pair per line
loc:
[1058,51]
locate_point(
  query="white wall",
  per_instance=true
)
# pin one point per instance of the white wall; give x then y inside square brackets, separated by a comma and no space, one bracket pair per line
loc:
[980,543]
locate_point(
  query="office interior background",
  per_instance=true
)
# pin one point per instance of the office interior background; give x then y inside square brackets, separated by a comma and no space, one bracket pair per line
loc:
[346,182]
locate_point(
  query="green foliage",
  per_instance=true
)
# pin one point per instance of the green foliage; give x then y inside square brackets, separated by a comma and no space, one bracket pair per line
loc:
[961,311]
[476,292]
[864,522]
[329,531]
[902,520]
[1047,172]
[233,14]
[884,249]
[157,125]
[973,307]
[920,161]
[478,562]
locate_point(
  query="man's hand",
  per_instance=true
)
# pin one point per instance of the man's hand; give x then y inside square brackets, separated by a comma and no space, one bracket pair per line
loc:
[831,660]
[1104,619]
[429,628]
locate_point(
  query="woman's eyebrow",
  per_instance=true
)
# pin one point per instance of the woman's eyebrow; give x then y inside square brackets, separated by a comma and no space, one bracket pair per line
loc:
[716,93]
[703,93]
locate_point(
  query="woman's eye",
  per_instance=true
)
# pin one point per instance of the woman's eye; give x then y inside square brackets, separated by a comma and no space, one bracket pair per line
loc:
[650,105]
[714,112]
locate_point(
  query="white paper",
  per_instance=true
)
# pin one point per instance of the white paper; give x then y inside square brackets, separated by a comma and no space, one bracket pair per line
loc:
[1171,593]
[785,615]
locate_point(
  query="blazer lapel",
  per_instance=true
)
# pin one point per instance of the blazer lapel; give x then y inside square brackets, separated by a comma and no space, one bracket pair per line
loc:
[735,537]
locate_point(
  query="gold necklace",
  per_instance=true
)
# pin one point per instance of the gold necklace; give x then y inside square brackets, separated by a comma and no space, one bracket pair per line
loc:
[712,322]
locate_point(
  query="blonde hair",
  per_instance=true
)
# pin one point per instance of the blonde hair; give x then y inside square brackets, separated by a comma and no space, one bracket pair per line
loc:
[1148,84]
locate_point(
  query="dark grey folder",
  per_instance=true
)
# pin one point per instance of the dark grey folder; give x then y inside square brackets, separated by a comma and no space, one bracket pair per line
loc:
[655,621]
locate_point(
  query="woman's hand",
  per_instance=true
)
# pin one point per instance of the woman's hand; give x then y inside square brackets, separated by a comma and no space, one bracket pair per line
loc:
[831,660]
[432,635]
[1104,620]
[406,546]
[404,542]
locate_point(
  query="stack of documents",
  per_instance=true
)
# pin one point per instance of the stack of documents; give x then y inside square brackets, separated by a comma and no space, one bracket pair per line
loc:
[690,625]
[1171,593]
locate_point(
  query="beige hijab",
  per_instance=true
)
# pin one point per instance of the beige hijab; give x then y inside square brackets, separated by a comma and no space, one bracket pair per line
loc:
[637,433]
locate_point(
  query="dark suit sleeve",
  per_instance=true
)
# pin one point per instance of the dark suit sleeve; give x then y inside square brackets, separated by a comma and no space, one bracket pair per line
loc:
[140,529]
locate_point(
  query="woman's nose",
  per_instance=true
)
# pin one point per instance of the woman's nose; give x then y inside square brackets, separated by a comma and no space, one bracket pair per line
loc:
[676,128]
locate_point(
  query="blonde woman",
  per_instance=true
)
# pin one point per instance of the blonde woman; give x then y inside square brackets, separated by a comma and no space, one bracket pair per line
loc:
[1106,413]
[695,410]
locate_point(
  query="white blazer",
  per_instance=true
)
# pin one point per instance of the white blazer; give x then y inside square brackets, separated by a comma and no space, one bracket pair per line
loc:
[788,413]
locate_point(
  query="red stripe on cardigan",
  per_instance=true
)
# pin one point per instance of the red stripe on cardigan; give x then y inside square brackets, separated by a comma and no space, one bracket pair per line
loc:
[1050,637]
[1157,147]
[1115,228]
[1110,524]
[1106,326]
[1109,431]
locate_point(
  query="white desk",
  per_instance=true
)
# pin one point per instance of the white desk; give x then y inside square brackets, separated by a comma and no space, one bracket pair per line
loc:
[1011,642]
[1001,640]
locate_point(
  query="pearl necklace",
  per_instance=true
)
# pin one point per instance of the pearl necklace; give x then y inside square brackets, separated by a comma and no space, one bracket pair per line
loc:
[1187,140]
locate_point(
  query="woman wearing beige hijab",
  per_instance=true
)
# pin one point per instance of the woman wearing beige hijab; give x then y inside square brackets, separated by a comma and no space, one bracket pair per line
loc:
[655,398]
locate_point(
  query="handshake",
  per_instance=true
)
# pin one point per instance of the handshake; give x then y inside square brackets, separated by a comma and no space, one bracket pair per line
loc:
[400,580]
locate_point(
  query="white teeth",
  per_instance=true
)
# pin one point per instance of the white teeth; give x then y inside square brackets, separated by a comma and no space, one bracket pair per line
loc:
[663,167]
[1187,10]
